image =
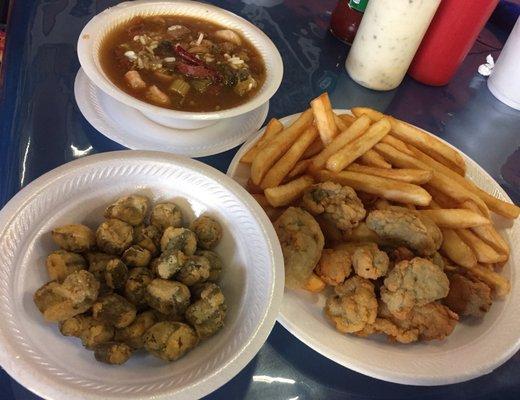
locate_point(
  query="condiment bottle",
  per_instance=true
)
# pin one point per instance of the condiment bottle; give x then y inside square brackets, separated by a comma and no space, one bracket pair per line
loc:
[504,81]
[449,38]
[387,39]
[346,18]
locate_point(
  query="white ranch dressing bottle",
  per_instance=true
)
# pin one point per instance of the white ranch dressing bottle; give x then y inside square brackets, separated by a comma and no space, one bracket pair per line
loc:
[387,39]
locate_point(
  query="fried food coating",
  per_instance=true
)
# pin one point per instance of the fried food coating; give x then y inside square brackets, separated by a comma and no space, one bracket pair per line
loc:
[334,266]
[114,236]
[354,306]
[413,283]
[74,237]
[133,334]
[336,203]
[208,312]
[170,340]
[74,326]
[95,333]
[62,263]
[135,287]
[60,301]
[165,215]
[113,353]
[148,237]
[195,270]
[114,310]
[432,321]
[468,296]
[215,264]
[130,209]
[181,239]
[302,242]
[136,256]
[369,262]
[168,297]
[406,228]
[169,263]
[391,330]
[207,230]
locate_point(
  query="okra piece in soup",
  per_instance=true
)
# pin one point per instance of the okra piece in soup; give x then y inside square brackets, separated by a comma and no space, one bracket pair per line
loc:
[182,63]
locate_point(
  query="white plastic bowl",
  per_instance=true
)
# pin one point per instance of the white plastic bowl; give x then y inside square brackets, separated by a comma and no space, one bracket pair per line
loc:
[56,367]
[91,37]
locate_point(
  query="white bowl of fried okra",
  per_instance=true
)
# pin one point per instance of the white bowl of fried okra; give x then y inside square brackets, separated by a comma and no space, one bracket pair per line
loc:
[152,276]
[136,282]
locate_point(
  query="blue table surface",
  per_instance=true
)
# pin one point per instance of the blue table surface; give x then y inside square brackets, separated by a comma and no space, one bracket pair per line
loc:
[42,128]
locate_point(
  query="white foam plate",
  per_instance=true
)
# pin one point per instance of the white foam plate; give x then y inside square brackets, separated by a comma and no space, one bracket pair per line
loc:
[56,367]
[130,128]
[475,348]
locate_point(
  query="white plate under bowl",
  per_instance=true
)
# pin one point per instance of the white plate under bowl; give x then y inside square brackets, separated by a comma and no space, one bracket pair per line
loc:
[130,128]
[56,367]
[475,347]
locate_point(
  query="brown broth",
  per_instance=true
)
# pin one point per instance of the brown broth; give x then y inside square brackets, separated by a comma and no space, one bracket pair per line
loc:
[219,93]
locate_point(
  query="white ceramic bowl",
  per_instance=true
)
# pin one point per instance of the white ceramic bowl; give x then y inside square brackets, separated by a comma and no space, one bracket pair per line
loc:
[56,367]
[476,347]
[97,28]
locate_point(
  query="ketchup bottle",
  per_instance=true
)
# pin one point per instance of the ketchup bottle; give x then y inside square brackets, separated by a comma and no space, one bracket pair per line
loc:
[449,38]
[346,18]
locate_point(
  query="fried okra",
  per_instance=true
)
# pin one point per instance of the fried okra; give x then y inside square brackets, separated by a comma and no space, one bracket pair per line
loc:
[181,239]
[195,270]
[169,263]
[132,335]
[97,266]
[116,274]
[113,353]
[208,312]
[114,236]
[136,256]
[74,237]
[208,232]
[61,263]
[168,297]
[215,264]
[135,286]
[59,301]
[129,209]
[148,237]
[90,331]
[170,340]
[74,326]
[114,310]
[165,215]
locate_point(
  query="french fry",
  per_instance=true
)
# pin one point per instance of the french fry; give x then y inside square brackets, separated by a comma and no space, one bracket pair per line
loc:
[397,143]
[252,188]
[455,218]
[373,159]
[314,284]
[369,112]
[342,125]
[420,139]
[285,194]
[286,163]
[483,252]
[314,148]
[417,176]
[444,200]
[389,189]
[345,156]
[273,127]
[324,118]
[456,249]
[354,131]
[501,207]
[443,183]
[300,168]
[273,150]
[488,233]
[347,118]
[500,285]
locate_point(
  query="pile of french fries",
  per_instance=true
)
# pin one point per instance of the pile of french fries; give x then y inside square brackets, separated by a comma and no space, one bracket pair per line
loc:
[385,157]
